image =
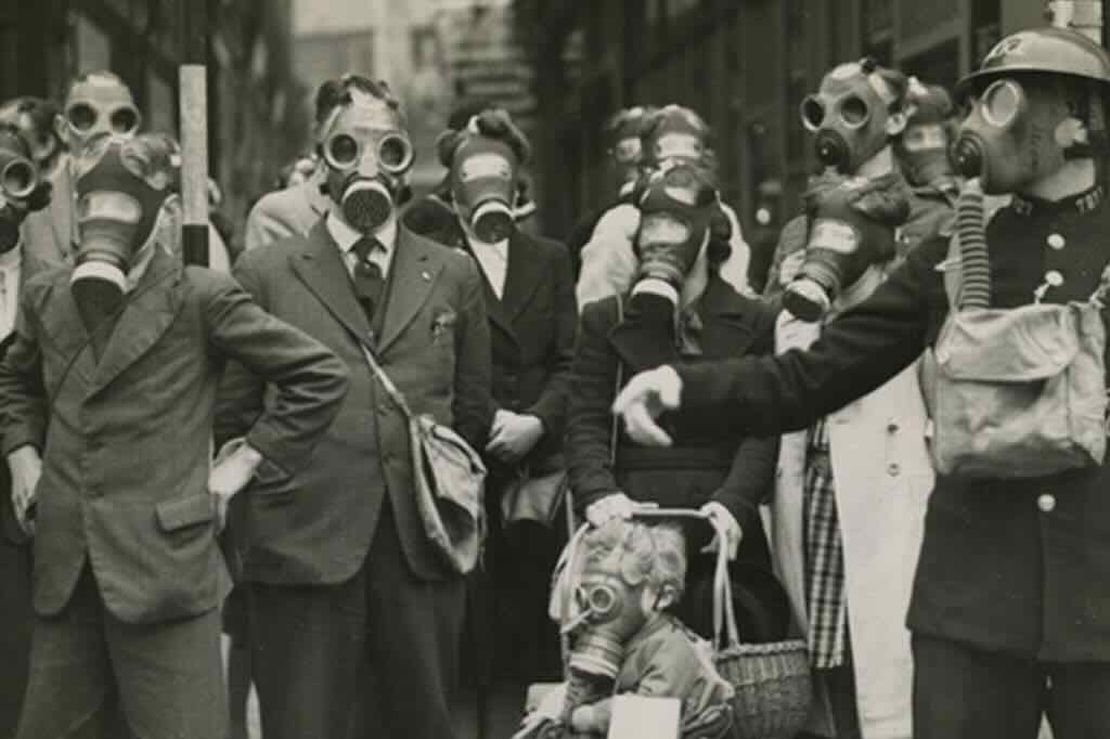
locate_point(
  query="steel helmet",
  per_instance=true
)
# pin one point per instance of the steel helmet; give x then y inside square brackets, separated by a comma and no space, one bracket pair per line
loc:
[1050,49]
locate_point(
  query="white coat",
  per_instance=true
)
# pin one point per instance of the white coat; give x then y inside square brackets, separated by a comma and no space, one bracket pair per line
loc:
[883,477]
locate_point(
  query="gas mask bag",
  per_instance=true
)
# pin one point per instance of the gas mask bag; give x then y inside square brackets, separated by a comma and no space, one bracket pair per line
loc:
[121,186]
[367,153]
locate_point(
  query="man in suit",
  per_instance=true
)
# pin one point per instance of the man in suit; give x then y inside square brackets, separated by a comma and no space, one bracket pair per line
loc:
[112,379]
[17,134]
[336,558]
[529,297]
[1008,611]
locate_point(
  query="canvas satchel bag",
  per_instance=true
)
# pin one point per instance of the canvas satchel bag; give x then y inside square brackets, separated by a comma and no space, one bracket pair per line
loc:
[1018,392]
[448,480]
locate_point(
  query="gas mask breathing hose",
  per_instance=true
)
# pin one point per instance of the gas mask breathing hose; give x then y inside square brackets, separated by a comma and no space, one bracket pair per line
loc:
[975,290]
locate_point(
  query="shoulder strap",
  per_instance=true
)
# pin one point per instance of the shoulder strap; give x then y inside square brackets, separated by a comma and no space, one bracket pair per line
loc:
[387,383]
[614,433]
[953,272]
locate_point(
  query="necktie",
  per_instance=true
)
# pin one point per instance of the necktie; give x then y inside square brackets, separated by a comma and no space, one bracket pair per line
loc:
[368,278]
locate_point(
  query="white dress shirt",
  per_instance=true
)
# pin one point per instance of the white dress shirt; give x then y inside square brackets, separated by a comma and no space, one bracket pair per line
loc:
[346,237]
[494,260]
[10,267]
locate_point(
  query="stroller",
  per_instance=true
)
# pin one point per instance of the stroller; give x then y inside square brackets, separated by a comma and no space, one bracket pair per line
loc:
[770,681]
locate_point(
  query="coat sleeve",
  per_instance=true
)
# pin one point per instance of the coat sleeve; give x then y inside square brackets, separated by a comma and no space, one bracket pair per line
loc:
[608,259]
[856,353]
[23,398]
[240,397]
[753,468]
[472,406]
[593,378]
[309,381]
[551,405]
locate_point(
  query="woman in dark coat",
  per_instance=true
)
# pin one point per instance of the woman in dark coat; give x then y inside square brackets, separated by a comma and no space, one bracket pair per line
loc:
[711,466]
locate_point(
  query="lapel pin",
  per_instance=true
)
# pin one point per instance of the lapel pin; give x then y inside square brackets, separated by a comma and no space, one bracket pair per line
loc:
[426,276]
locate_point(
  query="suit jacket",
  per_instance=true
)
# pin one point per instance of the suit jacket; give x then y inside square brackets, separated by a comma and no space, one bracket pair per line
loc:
[1013,565]
[712,459]
[126,440]
[10,530]
[284,213]
[316,526]
[532,328]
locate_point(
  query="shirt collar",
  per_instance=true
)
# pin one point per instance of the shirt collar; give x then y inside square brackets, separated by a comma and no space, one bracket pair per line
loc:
[345,236]
[1080,204]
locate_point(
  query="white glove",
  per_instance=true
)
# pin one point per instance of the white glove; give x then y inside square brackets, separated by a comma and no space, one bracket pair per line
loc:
[723,520]
[25,465]
[644,399]
[615,505]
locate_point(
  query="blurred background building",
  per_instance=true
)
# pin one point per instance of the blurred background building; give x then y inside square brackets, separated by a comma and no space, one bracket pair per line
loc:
[255,119]
[743,65]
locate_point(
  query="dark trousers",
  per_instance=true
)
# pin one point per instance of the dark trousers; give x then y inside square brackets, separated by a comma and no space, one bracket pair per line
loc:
[88,669]
[964,693]
[15,630]
[308,642]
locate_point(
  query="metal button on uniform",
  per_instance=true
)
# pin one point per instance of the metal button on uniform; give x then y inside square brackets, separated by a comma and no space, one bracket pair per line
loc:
[1056,241]
[1054,278]
[891,427]
[1046,502]
[893,469]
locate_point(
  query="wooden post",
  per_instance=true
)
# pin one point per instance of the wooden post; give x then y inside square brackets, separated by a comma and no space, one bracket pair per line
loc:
[193,105]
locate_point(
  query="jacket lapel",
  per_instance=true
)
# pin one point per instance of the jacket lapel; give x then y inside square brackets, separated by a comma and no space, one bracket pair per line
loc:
[64,330]
[726,320]
[522,276]
[499,318]
[413,272]
[321,268]
[150,309]
[641,344]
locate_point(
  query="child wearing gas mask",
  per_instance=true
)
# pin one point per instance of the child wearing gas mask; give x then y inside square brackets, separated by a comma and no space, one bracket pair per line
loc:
[669,135]
[623,640]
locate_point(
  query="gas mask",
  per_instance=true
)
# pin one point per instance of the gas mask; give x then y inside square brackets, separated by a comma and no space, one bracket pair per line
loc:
[367,155]
[675,134]
[98,105]
[121,185]
[22,190]
[850,116]
[1012,136]
[678,209]
[851,227]
[922,148]
[484,184]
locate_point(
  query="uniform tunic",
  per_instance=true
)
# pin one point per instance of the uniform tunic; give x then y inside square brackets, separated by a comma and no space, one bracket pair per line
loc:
[1019,565]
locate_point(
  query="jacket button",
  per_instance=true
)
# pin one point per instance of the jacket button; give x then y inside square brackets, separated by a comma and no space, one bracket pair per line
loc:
[1046,502]
[891,427]
[893,469]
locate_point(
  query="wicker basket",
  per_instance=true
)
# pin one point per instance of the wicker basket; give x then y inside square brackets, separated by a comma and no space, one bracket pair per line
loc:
[772,685]
[772,681]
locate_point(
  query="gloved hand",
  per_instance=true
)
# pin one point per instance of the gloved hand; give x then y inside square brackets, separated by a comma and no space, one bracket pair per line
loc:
[616,505]
[644,399]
